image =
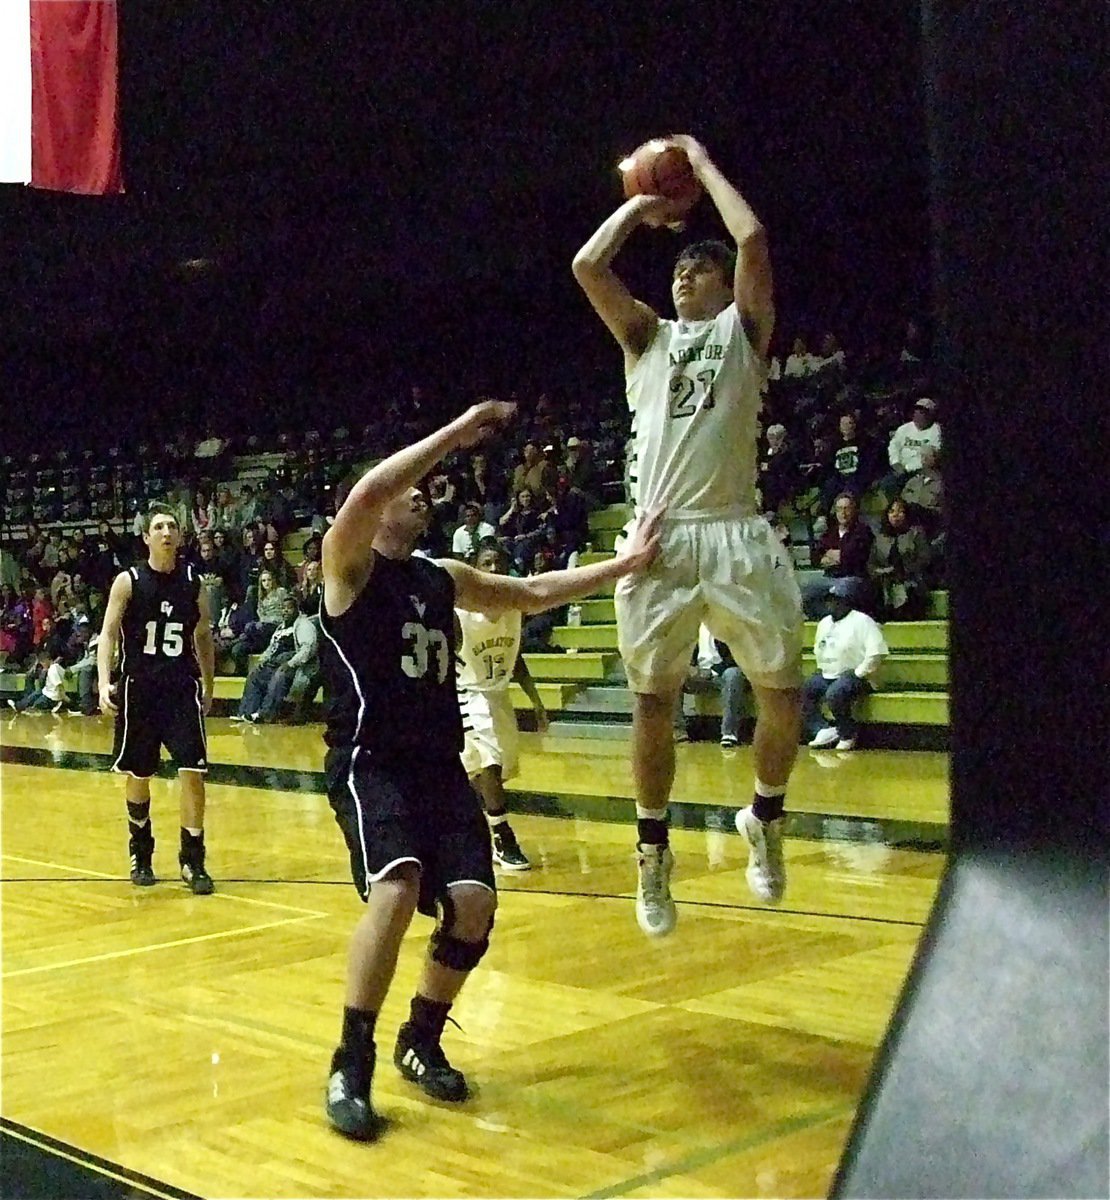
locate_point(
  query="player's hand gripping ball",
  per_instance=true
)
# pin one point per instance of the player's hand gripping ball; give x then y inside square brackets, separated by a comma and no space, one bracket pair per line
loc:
[661,168]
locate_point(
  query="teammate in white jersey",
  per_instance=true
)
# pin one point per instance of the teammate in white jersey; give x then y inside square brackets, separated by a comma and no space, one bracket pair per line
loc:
[489,660]
[694,387]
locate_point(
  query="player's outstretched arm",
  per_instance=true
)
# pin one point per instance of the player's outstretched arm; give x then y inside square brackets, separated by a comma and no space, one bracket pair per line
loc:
[630,321]
[753,283]
[118,599]
[477,591]
[523,676]
[345,552]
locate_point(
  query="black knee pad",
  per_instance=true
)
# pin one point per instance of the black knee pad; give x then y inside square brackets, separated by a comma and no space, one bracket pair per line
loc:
[450,951]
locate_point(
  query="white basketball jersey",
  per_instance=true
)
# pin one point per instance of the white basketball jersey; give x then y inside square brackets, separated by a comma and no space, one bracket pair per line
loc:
[488,651]
[695,395]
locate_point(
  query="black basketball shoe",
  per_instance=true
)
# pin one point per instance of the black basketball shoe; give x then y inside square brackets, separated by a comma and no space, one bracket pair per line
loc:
[191,860]
[422,1061]
[507,851]
[347,1102]
[141,848]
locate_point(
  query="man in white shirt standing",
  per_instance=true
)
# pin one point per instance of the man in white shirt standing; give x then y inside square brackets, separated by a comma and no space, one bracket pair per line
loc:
[850,648]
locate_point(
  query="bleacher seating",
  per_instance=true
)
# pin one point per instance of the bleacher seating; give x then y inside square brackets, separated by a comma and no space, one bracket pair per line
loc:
[582,684]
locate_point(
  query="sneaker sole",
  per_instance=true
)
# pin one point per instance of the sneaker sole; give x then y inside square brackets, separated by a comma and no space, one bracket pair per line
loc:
[511,866]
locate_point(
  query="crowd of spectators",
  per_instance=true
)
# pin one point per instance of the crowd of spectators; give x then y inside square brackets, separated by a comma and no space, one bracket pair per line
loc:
[848,464]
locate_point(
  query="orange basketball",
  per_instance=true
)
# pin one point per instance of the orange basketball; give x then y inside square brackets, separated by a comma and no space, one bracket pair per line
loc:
[660,168]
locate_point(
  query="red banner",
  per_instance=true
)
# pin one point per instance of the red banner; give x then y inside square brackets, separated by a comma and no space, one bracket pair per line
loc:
[75,125]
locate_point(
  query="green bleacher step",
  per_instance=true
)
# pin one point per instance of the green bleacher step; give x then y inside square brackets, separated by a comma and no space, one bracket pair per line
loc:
[588,667]
[615,516]
[598,612]
[914,636]
[585,637]
[555,695]
[881,708]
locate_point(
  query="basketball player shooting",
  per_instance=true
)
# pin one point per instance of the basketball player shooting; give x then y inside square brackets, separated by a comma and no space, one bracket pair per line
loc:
[413,825]
[694,386]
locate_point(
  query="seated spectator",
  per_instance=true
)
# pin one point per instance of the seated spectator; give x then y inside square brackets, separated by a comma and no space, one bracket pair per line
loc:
[522,530]
[829,362]
[924,491]
[202,513]
[273,511]
[779,478]
[42,610]
[16,628]
[533,473]
[568,519]
[578,467]
[265,603]
[278,565]
[844,550]
[479,485]
[311,588]
[247,505]
[799,362]
[899,564]
[286,665]
[908,444]
[250,561]
[473,530]
[443,498]
[851,470]
[310,553]
[226,514]
[535,634]
[84,671]
[211,577]
[850,649]
[45,689]
[228,558]
[714,669]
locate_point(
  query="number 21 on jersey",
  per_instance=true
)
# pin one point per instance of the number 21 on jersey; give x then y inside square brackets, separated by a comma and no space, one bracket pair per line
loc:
[688,394]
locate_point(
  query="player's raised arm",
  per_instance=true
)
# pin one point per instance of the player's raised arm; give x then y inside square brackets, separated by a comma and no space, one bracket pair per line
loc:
[118,599]
[753,284]
[630,321]
[478,591]
[345,552]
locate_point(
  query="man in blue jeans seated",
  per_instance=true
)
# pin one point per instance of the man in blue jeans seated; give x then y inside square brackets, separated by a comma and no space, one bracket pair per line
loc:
[850,649]
[714,669]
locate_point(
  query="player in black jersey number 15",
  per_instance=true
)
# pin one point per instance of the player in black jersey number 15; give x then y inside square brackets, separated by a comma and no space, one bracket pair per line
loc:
[158,617]
[414,827]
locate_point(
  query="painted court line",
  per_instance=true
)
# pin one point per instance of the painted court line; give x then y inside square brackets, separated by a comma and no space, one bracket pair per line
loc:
[65,867]
[89,1163]
[712,1154]
[37,862]
[201,937]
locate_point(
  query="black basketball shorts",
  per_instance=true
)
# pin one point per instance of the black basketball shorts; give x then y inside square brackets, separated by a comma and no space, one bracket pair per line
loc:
[157,713]
[396,810]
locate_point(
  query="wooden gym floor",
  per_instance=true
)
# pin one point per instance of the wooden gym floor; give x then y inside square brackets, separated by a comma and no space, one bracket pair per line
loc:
[158,1043]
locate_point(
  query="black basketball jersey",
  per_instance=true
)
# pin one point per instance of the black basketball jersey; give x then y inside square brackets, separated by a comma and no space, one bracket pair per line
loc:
[389,663]
[159,623]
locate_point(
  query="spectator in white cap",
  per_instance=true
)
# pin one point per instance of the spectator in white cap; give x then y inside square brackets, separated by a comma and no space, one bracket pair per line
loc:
[908,444]
[578,467]
[850,648]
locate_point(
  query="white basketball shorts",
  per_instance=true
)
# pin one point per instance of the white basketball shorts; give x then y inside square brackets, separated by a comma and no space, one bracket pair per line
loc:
[490,731]
[732,574]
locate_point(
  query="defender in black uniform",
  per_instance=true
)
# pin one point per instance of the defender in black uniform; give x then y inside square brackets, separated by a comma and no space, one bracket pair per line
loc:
[414,827]
[159,616]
